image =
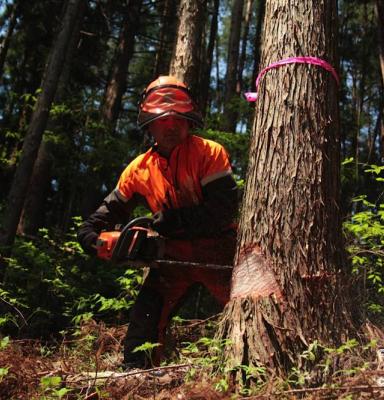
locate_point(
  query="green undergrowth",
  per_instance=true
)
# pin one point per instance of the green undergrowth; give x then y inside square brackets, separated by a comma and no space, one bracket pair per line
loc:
[50,285]
[364,232]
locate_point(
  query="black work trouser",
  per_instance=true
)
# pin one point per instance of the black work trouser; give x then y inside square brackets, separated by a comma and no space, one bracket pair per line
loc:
[143,327]
[165,287]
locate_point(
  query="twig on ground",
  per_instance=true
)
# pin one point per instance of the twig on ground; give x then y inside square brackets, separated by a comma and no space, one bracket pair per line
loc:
[329,389]
[200,322]
[145,371]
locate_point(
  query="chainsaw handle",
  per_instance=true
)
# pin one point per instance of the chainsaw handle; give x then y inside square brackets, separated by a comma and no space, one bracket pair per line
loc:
[139,221]
[121,242]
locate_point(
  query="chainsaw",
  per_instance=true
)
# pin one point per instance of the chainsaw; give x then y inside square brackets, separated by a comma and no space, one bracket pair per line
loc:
[137,245]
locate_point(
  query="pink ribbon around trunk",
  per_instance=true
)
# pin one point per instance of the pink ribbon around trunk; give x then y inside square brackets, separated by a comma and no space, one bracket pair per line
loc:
[252,96]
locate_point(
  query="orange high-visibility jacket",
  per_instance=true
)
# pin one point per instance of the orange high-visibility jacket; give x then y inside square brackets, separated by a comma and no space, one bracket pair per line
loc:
[176,182]
[196,180]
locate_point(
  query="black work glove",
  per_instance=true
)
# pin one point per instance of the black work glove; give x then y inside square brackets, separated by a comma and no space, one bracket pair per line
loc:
[87,241]
[167,222]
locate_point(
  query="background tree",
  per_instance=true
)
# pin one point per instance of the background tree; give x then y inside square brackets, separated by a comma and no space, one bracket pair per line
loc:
[289,262]
[37,126]
[124,52]
[185,61]
[361,96]
[167,33]
[11,14]
[379,11]
[33,214]
[229,114]
[207,65]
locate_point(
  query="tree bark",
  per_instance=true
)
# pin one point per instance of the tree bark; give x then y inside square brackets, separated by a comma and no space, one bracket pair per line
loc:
[5,43]
[117,83]
[185,60]
[37,126]
[286,281]
[230,114]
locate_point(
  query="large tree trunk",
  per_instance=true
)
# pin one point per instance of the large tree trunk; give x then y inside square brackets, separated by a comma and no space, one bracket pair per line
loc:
[185,60]
[230,114]
[117,83]
[285,286]
[37,126]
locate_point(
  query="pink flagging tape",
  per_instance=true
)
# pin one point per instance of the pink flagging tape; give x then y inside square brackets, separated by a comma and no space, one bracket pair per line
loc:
[252,96]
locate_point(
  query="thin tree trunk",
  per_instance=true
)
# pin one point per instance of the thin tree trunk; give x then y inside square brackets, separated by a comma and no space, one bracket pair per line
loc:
[206,77]
[286,280]
[117,84]
[185,61]
[359,106]
[33,213]
[7,39]
[229,115]
[259,28]
[260,12]
[382,136]
[218,96]
[379,11]
[32,216]
[244,41]
[166,33]
[372,136]
[242,59]
[37,126]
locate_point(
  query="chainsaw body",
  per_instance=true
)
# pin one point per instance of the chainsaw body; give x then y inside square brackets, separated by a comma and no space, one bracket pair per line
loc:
[134,242]
[140,246]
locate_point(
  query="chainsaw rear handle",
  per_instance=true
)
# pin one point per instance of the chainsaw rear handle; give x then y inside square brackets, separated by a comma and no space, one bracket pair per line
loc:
[139,221]
[123,241]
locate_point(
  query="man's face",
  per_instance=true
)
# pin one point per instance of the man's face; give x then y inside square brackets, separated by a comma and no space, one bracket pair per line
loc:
[169,132]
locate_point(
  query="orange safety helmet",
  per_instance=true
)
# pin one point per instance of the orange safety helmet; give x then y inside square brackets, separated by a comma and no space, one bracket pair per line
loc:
[167,96]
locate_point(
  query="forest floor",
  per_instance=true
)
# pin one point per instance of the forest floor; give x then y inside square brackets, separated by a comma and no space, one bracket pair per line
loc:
[85,366]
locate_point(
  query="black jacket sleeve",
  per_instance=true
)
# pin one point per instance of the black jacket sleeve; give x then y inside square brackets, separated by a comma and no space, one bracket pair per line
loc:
[217,211]
[114,210]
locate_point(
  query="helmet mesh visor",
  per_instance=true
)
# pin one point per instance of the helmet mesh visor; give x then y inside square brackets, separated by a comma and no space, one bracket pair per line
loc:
[167,99]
